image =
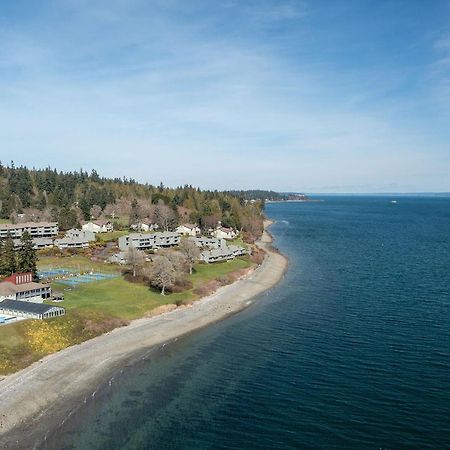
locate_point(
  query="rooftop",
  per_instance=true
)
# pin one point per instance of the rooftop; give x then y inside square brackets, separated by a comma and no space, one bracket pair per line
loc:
[8,288]
[27,307]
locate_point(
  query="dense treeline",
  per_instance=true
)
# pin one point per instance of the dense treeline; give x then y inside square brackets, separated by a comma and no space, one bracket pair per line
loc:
[70,197]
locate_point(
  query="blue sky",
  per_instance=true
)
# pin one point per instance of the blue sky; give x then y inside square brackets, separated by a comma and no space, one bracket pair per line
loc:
[315,96]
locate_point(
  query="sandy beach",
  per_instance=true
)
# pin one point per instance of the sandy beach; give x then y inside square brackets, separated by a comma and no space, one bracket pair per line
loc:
[51,386]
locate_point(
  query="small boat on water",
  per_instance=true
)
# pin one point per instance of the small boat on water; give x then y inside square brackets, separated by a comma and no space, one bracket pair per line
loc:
[393,201]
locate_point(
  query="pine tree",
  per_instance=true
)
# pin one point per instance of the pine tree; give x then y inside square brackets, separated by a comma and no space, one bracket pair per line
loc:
[8,256]
[26,256]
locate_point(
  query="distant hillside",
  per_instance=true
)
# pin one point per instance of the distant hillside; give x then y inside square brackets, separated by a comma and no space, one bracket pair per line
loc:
[71,197]
[259,194]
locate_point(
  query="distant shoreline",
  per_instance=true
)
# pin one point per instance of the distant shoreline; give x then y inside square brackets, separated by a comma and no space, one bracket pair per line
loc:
[34,398]
[296,201]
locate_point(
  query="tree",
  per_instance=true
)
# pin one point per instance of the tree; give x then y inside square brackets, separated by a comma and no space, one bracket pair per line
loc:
[95,211]
[135,213]
[26,255]
[135,259]
[164,216]
[67,218]
[163,273]
[8,256]
[190,251]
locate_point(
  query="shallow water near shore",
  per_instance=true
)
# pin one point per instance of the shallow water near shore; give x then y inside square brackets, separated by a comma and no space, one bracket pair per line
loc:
[350,350]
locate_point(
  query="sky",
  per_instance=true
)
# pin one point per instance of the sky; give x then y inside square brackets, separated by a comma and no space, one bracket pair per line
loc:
[291,95]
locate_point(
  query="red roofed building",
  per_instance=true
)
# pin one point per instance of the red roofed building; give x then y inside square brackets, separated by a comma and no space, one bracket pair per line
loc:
[20,286]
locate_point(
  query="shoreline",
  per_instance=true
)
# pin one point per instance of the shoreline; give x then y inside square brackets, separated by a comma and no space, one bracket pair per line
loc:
[60,380]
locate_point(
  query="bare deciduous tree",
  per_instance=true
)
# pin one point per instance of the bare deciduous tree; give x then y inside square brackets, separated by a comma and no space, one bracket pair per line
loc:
[95,212]
[135,259]
[190,251]
[164,216]
[163,273]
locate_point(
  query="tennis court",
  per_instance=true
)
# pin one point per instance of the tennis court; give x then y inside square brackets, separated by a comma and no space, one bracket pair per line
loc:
[53,273]
[86,278]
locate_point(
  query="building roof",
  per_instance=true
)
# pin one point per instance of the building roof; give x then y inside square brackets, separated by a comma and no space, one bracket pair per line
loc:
[72,239]
[99,222]
[189,225]
[140,236]
[27,307]
[9,226]
[225,229]
[36,241]
[8,288]
[167,234]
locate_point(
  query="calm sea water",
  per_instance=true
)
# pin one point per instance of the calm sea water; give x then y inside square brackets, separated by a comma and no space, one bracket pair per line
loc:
[351,350]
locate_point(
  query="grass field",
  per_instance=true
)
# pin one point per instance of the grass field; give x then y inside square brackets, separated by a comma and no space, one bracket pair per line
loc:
[76,262]
[93,308]
[4,221]
[112,236]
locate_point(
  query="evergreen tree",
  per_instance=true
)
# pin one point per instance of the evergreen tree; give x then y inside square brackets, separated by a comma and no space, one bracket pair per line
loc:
[8,256]
[26,255]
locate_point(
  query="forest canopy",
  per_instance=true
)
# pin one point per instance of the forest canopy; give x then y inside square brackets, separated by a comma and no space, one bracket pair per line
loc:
[71,197]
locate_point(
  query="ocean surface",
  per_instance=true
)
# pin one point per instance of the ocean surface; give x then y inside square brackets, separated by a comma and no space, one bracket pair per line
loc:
[350,350]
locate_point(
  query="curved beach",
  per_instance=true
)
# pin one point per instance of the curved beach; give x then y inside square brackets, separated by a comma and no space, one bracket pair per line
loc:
[50,386]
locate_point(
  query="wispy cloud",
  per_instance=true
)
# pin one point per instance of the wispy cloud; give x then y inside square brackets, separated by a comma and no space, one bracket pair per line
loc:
[183,91]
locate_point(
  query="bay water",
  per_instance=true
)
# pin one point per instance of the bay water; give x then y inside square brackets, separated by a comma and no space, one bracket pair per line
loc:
[350,350]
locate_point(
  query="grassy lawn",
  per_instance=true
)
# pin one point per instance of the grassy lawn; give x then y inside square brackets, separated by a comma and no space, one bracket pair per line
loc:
[206,272]
[4,221]
[112,236]
[77,262]
[117,298]
[92,309]
[238,241]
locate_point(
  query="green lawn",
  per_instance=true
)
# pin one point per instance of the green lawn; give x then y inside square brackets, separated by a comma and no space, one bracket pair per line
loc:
[206,272]
[112,236]
[117,298]
[4,221]
[238,241]
[94,308]
[77,263]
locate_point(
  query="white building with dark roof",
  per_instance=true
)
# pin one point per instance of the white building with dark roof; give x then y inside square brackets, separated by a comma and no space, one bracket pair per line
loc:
[30,310]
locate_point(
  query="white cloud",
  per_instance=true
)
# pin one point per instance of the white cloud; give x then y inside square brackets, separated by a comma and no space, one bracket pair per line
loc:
[157,97]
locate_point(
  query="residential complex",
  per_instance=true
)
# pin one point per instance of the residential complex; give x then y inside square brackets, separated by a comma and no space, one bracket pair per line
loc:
[35,229]
[149,241]
[209,242]
[38,243]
